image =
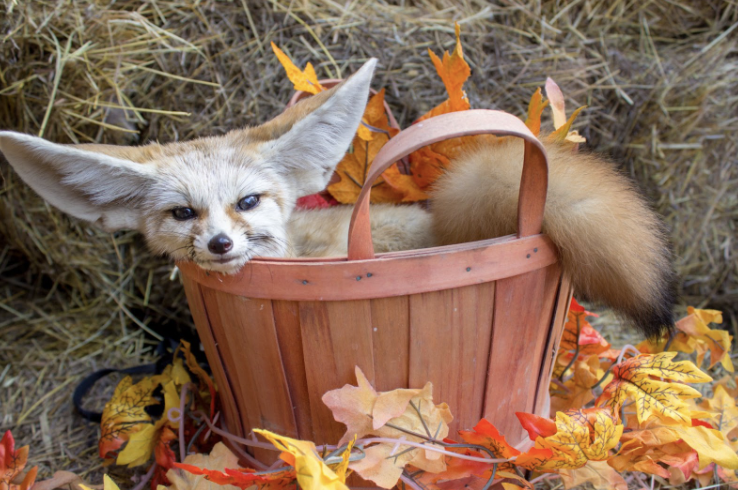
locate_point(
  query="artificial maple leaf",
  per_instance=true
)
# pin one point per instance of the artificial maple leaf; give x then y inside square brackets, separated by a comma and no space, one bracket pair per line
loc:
[535,110]
[354,167]
[722,409]
[342,468]
[717,342]
[710,445]
[687,447]
[633,378]
[219,459]
[581,436]
[586,374]
[456,469]
[598,473]
[108,484]
[428,163]
[125,414]
[486,435]
[125,420]
[535,425]
[12,463]
[197,478]
[579,332]
[454,71]
[563,131]
[393,414]
[694,335]
[312,472]
[304,80]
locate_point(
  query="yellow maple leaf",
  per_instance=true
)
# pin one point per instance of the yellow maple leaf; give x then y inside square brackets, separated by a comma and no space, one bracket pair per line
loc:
[717,342]
[634,379]
[655,438]
[710,445]
[312,472]
[722,410]
[304,80]
[581,436]
[125,422]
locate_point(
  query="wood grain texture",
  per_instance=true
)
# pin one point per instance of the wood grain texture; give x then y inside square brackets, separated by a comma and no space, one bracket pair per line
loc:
[391,338]
[556,330]
[248,343]
[449,345]
[513,366]
[199,311]
[336,337]
[289,336]
[391,275]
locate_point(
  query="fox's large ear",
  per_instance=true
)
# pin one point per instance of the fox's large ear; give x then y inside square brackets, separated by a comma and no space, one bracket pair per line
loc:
[318,131]
[100,184]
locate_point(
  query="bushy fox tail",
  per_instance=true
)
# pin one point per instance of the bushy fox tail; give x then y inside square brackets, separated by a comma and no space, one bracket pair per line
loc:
[611,243]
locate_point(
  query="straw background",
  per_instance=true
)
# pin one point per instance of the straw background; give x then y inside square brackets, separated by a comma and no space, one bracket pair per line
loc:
[658,77]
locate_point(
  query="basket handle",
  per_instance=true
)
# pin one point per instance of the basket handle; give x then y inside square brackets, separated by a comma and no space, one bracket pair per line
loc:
[533,184]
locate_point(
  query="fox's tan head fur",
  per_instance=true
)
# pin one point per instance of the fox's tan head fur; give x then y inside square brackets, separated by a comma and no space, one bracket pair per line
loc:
[217,201]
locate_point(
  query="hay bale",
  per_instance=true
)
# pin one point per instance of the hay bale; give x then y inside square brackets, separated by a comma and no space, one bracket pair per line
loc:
[658,79]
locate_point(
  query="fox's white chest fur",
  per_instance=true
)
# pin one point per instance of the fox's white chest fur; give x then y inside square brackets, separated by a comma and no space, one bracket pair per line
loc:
[221,201]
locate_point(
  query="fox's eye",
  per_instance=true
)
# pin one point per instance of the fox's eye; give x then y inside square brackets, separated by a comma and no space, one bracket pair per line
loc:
[248,202]
[183,214]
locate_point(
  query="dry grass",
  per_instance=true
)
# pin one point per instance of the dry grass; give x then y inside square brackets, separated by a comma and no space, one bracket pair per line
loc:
[658,78]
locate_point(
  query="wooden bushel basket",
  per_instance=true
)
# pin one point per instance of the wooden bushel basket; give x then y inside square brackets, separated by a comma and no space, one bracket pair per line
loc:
[480,320]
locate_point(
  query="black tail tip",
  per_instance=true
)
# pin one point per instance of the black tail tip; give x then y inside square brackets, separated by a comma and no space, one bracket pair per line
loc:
[655,318]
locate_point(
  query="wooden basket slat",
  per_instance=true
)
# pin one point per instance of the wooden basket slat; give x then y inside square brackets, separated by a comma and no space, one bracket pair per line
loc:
[259,384]
[289,336]
[391,342]
[336,337]
[449,334]
[555,331]
[199,311]
[511,373]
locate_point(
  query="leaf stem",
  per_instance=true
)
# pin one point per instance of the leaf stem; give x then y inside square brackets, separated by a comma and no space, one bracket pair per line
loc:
[576,351]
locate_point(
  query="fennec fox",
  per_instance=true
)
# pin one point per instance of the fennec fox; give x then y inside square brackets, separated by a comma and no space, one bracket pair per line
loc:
[220,201]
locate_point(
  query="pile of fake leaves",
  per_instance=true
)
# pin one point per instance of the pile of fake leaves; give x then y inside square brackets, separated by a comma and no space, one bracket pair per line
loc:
[630,410]
[410,180]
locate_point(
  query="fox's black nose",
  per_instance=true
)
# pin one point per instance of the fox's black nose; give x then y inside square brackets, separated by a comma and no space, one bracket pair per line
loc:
[220,244]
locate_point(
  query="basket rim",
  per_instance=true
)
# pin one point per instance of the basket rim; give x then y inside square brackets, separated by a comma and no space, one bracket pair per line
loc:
[387,275]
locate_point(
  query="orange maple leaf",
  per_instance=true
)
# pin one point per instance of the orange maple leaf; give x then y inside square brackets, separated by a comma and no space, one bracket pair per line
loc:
[454,71]
[354,167]
[579,332]
[535,110]
[243,478]
[427,164]
[12,463]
